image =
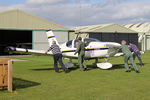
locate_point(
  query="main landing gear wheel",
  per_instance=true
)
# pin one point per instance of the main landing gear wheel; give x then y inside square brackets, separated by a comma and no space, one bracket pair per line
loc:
[69,65]
[104,65]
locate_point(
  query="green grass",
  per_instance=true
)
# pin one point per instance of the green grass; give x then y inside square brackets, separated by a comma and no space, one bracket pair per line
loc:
[35,79]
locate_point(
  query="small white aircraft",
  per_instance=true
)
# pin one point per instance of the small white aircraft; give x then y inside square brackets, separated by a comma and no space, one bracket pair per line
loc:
[94,49]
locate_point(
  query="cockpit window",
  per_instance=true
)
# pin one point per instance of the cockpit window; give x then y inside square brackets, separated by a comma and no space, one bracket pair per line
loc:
[76,42]
[88,40]
[69,44]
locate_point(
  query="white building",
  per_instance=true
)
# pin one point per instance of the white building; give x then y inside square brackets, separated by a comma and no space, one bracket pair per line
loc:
[143,30]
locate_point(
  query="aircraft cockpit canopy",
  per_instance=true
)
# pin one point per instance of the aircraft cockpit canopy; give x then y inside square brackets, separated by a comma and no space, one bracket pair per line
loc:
[69,44]
[88,40]
[75,42]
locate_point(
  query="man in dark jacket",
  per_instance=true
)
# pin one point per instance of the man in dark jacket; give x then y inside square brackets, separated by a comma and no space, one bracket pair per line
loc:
[136,53]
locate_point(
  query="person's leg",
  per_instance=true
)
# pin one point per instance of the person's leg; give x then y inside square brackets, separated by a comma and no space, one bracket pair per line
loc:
[134,55]
[84,62]
[61,62]
[55,63]
[133,63]
[80,61]
[126,62]
[140,60]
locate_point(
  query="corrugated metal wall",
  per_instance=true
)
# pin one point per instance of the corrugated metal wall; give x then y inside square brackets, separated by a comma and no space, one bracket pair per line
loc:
[40,41]
[72,35]
[148,42]
[115,37]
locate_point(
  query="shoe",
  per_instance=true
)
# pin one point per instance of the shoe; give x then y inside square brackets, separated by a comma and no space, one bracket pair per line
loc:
[137,71]
[142,65]
[66,70]
[86,69]
[57,72]
[127,71]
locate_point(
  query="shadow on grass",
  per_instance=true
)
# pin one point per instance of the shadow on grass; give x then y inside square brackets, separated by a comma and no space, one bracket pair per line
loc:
[90,67]
[121,66]
[42,69]
[117,66]
[143,63]
[19,83]
[76,67]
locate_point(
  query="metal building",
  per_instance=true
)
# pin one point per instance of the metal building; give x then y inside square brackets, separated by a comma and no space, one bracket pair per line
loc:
[143,30]
[21,29]
[106,33]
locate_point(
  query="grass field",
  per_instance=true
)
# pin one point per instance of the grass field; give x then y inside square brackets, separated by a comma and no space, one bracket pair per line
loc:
[35,79]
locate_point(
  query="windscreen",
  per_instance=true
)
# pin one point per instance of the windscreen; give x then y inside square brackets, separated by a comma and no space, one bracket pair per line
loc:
[88,40]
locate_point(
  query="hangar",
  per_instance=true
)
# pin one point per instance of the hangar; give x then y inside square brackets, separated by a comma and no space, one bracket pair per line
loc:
[106,33]
[143,30]
[21,29]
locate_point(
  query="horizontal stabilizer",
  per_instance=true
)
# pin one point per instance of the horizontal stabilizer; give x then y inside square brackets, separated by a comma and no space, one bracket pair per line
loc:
[27,51]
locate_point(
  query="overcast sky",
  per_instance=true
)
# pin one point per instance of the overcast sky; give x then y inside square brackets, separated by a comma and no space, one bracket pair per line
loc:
[71,13]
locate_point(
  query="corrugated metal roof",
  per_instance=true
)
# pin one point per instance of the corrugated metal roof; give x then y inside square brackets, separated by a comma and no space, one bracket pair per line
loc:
[18,19]
[108,28]
[139,27]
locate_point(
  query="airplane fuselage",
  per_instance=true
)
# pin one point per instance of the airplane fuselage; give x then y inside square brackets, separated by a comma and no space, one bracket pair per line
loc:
[92,50]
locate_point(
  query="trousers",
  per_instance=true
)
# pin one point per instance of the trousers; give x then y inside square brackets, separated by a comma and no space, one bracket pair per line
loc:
[130,58]
[81,61]
[58,58]
[137,54]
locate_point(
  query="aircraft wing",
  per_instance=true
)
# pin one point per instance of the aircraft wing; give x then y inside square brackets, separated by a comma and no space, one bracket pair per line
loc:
[27,51]
[121,54]
[118,54]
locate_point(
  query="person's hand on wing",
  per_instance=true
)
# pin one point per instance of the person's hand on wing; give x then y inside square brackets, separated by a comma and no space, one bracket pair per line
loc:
[46,52]
[75,53]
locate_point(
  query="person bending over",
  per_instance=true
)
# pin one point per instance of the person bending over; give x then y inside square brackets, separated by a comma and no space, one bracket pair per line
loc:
[136,53]
[128,56]
[57,56]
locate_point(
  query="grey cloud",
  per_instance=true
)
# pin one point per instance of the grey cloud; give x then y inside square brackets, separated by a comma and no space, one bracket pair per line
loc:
[39,2]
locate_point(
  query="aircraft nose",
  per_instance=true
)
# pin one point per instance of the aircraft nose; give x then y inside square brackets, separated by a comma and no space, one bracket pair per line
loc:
[117,44]
[111,45]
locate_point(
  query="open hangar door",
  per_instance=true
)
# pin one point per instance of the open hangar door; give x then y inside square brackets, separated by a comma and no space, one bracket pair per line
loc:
[115,37]
[15,38]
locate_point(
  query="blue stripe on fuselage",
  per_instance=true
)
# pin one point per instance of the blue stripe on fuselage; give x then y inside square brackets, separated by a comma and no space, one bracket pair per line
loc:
[85,50]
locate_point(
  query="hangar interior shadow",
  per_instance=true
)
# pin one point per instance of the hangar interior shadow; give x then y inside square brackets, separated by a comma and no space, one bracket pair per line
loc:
[15,38]
[19,83]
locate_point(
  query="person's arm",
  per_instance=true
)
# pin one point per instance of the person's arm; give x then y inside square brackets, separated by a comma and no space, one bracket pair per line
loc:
[118,47]
[78,49]
[48,50]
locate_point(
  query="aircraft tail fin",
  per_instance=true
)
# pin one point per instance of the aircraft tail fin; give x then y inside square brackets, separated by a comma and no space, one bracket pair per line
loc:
[51,37]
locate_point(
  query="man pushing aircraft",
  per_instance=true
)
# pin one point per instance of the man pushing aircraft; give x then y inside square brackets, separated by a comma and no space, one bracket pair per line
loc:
[136,52]
[81,54]
[128,56]
[57,57]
